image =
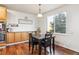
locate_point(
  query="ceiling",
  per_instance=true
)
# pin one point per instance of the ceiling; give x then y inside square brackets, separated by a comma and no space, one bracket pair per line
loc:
[32,8]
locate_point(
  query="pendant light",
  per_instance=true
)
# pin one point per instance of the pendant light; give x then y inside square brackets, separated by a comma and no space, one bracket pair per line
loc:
[39,14]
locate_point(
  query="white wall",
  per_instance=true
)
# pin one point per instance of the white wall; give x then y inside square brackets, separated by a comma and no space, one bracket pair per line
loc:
[71,38]
[13,17]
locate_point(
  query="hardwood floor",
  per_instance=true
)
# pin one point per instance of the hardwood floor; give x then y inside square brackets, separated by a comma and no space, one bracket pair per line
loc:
[64,51]
[19,49]
[23,49]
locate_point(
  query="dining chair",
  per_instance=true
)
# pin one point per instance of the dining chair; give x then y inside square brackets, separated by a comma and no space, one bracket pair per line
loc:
[51,39]
[46,42]
[33,43]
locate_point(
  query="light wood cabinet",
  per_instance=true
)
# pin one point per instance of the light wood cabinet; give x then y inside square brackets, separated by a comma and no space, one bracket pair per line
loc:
[10,37]
[3,13]
[25,36]
[17,37]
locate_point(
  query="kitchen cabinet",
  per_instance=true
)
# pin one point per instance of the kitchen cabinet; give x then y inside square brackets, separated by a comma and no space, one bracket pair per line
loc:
[17,37]
[10,37]
[25,36]
[3,13]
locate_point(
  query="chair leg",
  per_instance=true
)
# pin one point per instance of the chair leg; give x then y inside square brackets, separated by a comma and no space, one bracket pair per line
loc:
[50,47]
[36,47]
[53,46]
[50,50]
[29,47]
[39,50]
[45,50]
[32,48]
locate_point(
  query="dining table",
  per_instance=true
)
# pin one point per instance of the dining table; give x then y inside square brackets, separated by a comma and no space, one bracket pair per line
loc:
[52,47]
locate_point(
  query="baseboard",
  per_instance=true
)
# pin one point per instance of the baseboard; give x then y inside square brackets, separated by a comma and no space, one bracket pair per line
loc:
[67,50]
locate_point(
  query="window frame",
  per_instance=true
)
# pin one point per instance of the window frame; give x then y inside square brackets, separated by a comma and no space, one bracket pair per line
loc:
[54,23]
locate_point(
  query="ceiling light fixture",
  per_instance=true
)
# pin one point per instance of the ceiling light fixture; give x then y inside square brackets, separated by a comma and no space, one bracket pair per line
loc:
[39,14]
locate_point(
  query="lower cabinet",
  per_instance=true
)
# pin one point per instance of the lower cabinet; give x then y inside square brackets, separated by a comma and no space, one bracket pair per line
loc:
[17,36]
[24,36]
[10,37]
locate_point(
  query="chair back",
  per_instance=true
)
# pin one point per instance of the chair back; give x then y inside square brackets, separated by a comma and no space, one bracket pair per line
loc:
[47,40]
[32,40]
[48,35]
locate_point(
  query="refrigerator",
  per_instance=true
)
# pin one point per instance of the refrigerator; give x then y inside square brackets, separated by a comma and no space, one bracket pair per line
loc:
[2,32]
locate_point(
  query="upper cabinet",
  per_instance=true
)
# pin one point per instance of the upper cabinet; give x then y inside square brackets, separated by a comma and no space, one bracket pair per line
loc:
[3,13]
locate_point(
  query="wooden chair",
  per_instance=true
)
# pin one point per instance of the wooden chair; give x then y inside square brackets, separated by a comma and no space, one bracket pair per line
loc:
[46,42]
[33,42]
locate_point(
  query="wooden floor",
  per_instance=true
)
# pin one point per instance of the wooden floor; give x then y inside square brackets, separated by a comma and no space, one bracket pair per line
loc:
[23,49]
[19,49]
[64,51]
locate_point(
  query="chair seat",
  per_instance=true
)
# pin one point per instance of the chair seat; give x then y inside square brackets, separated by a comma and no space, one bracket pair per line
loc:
[45,42]
[33,41]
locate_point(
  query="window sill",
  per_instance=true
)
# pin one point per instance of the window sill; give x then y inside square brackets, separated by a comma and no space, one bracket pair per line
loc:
[64,34]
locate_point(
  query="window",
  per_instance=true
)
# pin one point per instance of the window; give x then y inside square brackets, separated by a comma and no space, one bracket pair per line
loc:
[57,23]
[50,24]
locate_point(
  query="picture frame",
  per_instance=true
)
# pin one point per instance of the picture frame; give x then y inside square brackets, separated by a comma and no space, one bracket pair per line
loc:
[22,21]
[25,21]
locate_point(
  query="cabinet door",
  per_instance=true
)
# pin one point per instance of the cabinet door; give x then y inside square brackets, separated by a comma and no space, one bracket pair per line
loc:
[17,36]
[10,37]
[25,36]
[3,13]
